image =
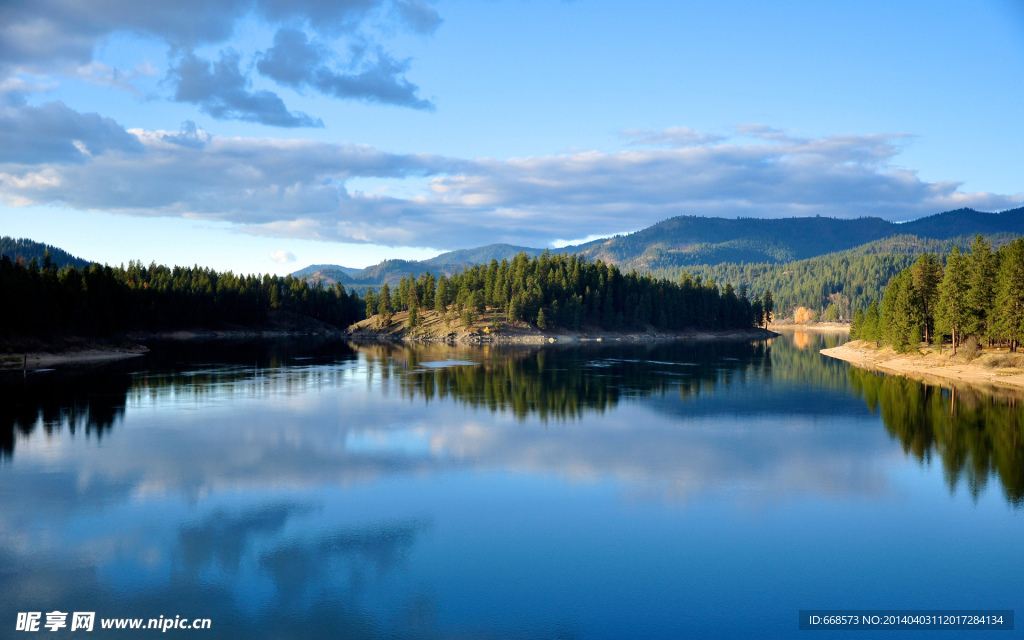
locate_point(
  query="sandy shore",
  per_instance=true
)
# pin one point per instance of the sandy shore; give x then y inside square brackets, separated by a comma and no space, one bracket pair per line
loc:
[826,327]
[33,361]
[930,366]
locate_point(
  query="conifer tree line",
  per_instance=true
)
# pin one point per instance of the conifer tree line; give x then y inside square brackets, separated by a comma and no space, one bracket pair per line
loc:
[979,294]
[569,292]
[40,300]
[836,284]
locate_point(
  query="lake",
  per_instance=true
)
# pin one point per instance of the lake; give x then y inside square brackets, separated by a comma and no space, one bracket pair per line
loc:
[306,490]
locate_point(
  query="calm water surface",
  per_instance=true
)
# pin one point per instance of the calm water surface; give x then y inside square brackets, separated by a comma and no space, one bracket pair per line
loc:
[308,491]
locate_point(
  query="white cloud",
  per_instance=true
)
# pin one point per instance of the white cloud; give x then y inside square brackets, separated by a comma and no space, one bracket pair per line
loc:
[282,257]
[59,39]
[298,188]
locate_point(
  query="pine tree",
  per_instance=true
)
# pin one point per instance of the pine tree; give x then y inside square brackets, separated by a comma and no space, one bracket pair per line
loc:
[401,299]
[927,274]
[857,325]
[441,297]
[901,314]
[371,303]
[953,310]
[515,308]
[981,287]
[475,301]
[871,331]
[1009,319]
[384,308]
[769,307]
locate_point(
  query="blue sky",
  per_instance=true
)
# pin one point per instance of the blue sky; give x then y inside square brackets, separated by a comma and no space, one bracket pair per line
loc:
[265,135]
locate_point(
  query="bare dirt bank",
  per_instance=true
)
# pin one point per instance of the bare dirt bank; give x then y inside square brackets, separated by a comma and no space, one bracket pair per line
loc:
[991,369]
[433,328]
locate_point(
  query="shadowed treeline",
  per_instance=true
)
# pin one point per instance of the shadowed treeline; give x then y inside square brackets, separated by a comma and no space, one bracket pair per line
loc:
[99,300]
[85,403]
[975,435]
[93,400]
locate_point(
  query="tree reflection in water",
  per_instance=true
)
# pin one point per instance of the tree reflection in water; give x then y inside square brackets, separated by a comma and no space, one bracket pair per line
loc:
[975,434]
[563,383]
[88,403]
[93,399]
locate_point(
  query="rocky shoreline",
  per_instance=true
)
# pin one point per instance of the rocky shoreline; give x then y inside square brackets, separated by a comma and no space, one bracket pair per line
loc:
[537,337]
[491,328]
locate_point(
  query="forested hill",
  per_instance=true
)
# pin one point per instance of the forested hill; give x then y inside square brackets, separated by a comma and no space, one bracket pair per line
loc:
[687,241]
[693,240]
[839,282]
[482,255]
[347,272]
[326,273]
[23,248]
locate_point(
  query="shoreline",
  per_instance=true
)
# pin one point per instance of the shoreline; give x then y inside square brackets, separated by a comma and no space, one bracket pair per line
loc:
[433,328]
[932,367]
[366,337]
[204,335]
[88,352]
[45,360]
[826,327]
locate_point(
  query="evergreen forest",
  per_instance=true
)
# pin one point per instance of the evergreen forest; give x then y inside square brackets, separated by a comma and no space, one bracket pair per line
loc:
[832,285]
[966,298]
[42,300]
[572,293]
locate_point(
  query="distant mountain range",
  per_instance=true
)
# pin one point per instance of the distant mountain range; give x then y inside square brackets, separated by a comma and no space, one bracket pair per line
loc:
[686,241]
[392,271]
[691,240]
[666,249]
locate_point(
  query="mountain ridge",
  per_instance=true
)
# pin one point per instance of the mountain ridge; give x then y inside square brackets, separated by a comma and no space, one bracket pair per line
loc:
[685,241]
